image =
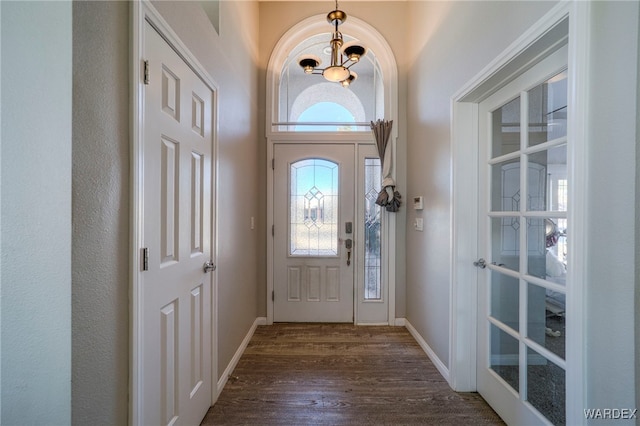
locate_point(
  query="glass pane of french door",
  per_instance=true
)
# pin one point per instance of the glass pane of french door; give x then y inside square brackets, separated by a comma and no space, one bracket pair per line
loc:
[525,233]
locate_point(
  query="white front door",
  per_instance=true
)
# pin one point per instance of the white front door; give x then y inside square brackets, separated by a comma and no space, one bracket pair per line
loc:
[522,242]
[314,232]
[175,290]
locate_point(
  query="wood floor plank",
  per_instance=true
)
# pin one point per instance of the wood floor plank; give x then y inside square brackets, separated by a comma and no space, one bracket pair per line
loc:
[341,374]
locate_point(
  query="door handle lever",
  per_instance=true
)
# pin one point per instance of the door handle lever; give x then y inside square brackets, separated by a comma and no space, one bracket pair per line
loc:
[209,266]
[480,263]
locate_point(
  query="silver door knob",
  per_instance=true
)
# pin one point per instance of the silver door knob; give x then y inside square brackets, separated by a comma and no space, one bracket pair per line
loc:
[480,263]
[209,266]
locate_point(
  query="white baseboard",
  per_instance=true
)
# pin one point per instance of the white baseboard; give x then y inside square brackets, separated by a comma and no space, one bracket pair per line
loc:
[236,357]
[427,349]
[397,322]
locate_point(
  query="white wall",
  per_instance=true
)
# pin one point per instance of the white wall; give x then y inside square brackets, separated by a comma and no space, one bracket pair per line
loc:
[637,248]
[451,42]
[36,213]
[612,138]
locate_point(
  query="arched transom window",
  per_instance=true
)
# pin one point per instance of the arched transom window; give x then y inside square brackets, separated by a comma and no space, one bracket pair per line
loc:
[311,103]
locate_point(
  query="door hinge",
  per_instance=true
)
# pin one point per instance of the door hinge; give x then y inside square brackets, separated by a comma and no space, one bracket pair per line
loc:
[273,230]
[145,259]
[146,72]
[273,164]
[273,296]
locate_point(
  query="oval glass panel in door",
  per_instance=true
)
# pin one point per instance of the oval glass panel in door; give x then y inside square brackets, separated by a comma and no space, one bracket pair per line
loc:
[313,199]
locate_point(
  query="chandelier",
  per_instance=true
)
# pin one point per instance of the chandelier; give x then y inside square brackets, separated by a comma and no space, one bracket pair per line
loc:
[343,56]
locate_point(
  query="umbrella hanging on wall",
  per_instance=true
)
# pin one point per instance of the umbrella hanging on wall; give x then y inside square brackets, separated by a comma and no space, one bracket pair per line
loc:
[388,197]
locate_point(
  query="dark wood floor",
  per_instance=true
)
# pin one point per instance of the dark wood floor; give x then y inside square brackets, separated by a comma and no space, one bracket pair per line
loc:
[339,374]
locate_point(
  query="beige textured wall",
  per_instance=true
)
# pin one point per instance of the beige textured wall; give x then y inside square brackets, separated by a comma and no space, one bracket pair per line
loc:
[389,18]
[100,268]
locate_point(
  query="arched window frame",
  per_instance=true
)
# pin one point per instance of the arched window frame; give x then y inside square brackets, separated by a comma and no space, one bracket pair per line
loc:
[317,24]
[372,39]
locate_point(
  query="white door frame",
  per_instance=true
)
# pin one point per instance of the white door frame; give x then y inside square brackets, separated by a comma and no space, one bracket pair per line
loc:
[142,11]
[533,45]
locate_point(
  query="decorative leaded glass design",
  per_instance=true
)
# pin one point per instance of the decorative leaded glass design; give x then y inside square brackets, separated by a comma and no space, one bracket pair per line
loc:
[314,208]
[372,229]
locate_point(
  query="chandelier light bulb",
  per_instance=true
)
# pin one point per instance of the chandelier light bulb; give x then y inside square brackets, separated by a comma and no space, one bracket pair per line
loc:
[347,81]
[335,73]
[353,51]
[309,63]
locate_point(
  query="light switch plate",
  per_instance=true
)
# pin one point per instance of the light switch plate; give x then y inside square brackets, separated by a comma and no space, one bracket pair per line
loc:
[418,224]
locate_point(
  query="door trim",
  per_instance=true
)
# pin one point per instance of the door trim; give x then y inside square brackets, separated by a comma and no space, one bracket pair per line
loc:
[537,42]
[141,12]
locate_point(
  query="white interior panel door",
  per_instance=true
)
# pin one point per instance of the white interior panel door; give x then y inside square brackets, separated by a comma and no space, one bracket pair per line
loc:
[313,241]
[175,289]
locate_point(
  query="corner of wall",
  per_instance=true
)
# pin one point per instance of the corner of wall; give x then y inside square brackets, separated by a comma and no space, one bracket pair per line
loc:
[637,239]
[437,362]
[224,377]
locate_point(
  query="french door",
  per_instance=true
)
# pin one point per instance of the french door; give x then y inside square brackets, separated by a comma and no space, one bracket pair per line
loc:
[523,245]
[314,251]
